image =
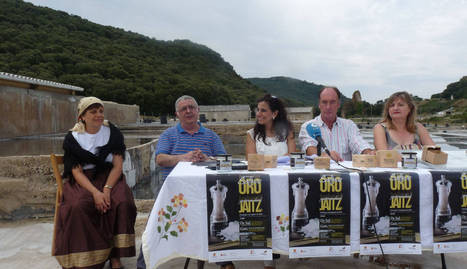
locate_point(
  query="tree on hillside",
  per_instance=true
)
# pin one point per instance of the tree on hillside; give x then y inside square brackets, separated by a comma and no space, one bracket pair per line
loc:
[457,90]
[114,64]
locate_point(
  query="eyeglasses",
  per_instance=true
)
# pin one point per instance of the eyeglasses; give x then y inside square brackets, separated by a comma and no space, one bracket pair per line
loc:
[188,107]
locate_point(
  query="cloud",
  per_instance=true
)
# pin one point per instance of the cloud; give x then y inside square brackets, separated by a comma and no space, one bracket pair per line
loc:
[374,46]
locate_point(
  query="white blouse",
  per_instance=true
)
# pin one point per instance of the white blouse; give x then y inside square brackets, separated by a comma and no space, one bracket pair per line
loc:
[91,142]
[275,147]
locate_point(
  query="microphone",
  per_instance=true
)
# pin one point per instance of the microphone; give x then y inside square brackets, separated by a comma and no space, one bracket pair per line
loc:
[315,132]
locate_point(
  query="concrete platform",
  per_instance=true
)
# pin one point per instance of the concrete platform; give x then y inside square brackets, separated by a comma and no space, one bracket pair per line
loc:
[26,244]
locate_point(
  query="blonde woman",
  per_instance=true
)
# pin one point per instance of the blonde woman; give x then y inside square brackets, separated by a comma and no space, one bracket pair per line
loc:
[398,128]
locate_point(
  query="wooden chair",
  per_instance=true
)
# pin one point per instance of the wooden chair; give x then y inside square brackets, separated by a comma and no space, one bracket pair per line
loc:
[56,160]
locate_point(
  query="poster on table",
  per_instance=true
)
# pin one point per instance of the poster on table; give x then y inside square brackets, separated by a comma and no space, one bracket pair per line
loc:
[319,210]
[390,212]
[449,211]
[239,222]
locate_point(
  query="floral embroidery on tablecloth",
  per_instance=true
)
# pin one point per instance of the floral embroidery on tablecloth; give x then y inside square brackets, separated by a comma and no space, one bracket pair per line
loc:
[169,218]
[282,224]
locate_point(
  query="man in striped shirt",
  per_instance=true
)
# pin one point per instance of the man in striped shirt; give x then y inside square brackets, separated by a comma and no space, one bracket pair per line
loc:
[188,141]
[341,136]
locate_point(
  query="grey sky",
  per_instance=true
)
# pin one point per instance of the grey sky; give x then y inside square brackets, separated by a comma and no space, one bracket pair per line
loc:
[377,46]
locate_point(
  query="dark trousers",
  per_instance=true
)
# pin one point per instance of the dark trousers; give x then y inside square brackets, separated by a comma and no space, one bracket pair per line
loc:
[140,263]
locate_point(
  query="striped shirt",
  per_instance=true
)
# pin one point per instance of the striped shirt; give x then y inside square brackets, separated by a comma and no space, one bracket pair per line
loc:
[177,141]
[344,137]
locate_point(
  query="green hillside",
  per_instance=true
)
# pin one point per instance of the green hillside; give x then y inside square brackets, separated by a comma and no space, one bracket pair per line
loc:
[457,90]
[114,64]
[297,92]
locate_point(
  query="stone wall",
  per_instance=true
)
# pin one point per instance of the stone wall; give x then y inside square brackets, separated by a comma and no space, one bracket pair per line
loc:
[141,172]
[121,114]
[27,112]
[300,116]
[228,115]
[27,184]
[27,187]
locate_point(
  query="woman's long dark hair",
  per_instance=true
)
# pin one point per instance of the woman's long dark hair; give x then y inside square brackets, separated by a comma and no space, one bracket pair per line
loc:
[281,124]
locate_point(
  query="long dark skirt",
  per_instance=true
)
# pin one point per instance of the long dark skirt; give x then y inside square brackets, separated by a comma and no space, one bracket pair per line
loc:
[85,237]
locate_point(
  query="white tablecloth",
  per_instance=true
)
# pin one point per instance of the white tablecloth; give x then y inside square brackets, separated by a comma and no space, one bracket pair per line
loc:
[184,191]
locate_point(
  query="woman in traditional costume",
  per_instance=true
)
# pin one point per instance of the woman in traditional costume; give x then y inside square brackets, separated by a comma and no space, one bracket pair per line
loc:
[97,214]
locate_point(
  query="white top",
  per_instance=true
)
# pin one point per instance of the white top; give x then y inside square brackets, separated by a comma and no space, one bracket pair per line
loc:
[91,142]
[275,147]
[344,137]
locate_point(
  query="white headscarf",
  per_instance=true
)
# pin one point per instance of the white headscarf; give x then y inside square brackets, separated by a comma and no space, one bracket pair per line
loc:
[84,103]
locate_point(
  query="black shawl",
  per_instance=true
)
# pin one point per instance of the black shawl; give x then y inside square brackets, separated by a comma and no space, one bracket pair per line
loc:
[76,156]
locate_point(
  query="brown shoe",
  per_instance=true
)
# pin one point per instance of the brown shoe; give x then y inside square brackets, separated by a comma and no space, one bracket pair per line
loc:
[117,260]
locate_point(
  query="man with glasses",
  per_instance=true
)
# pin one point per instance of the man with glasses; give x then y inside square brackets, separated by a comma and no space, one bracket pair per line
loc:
[188,141]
